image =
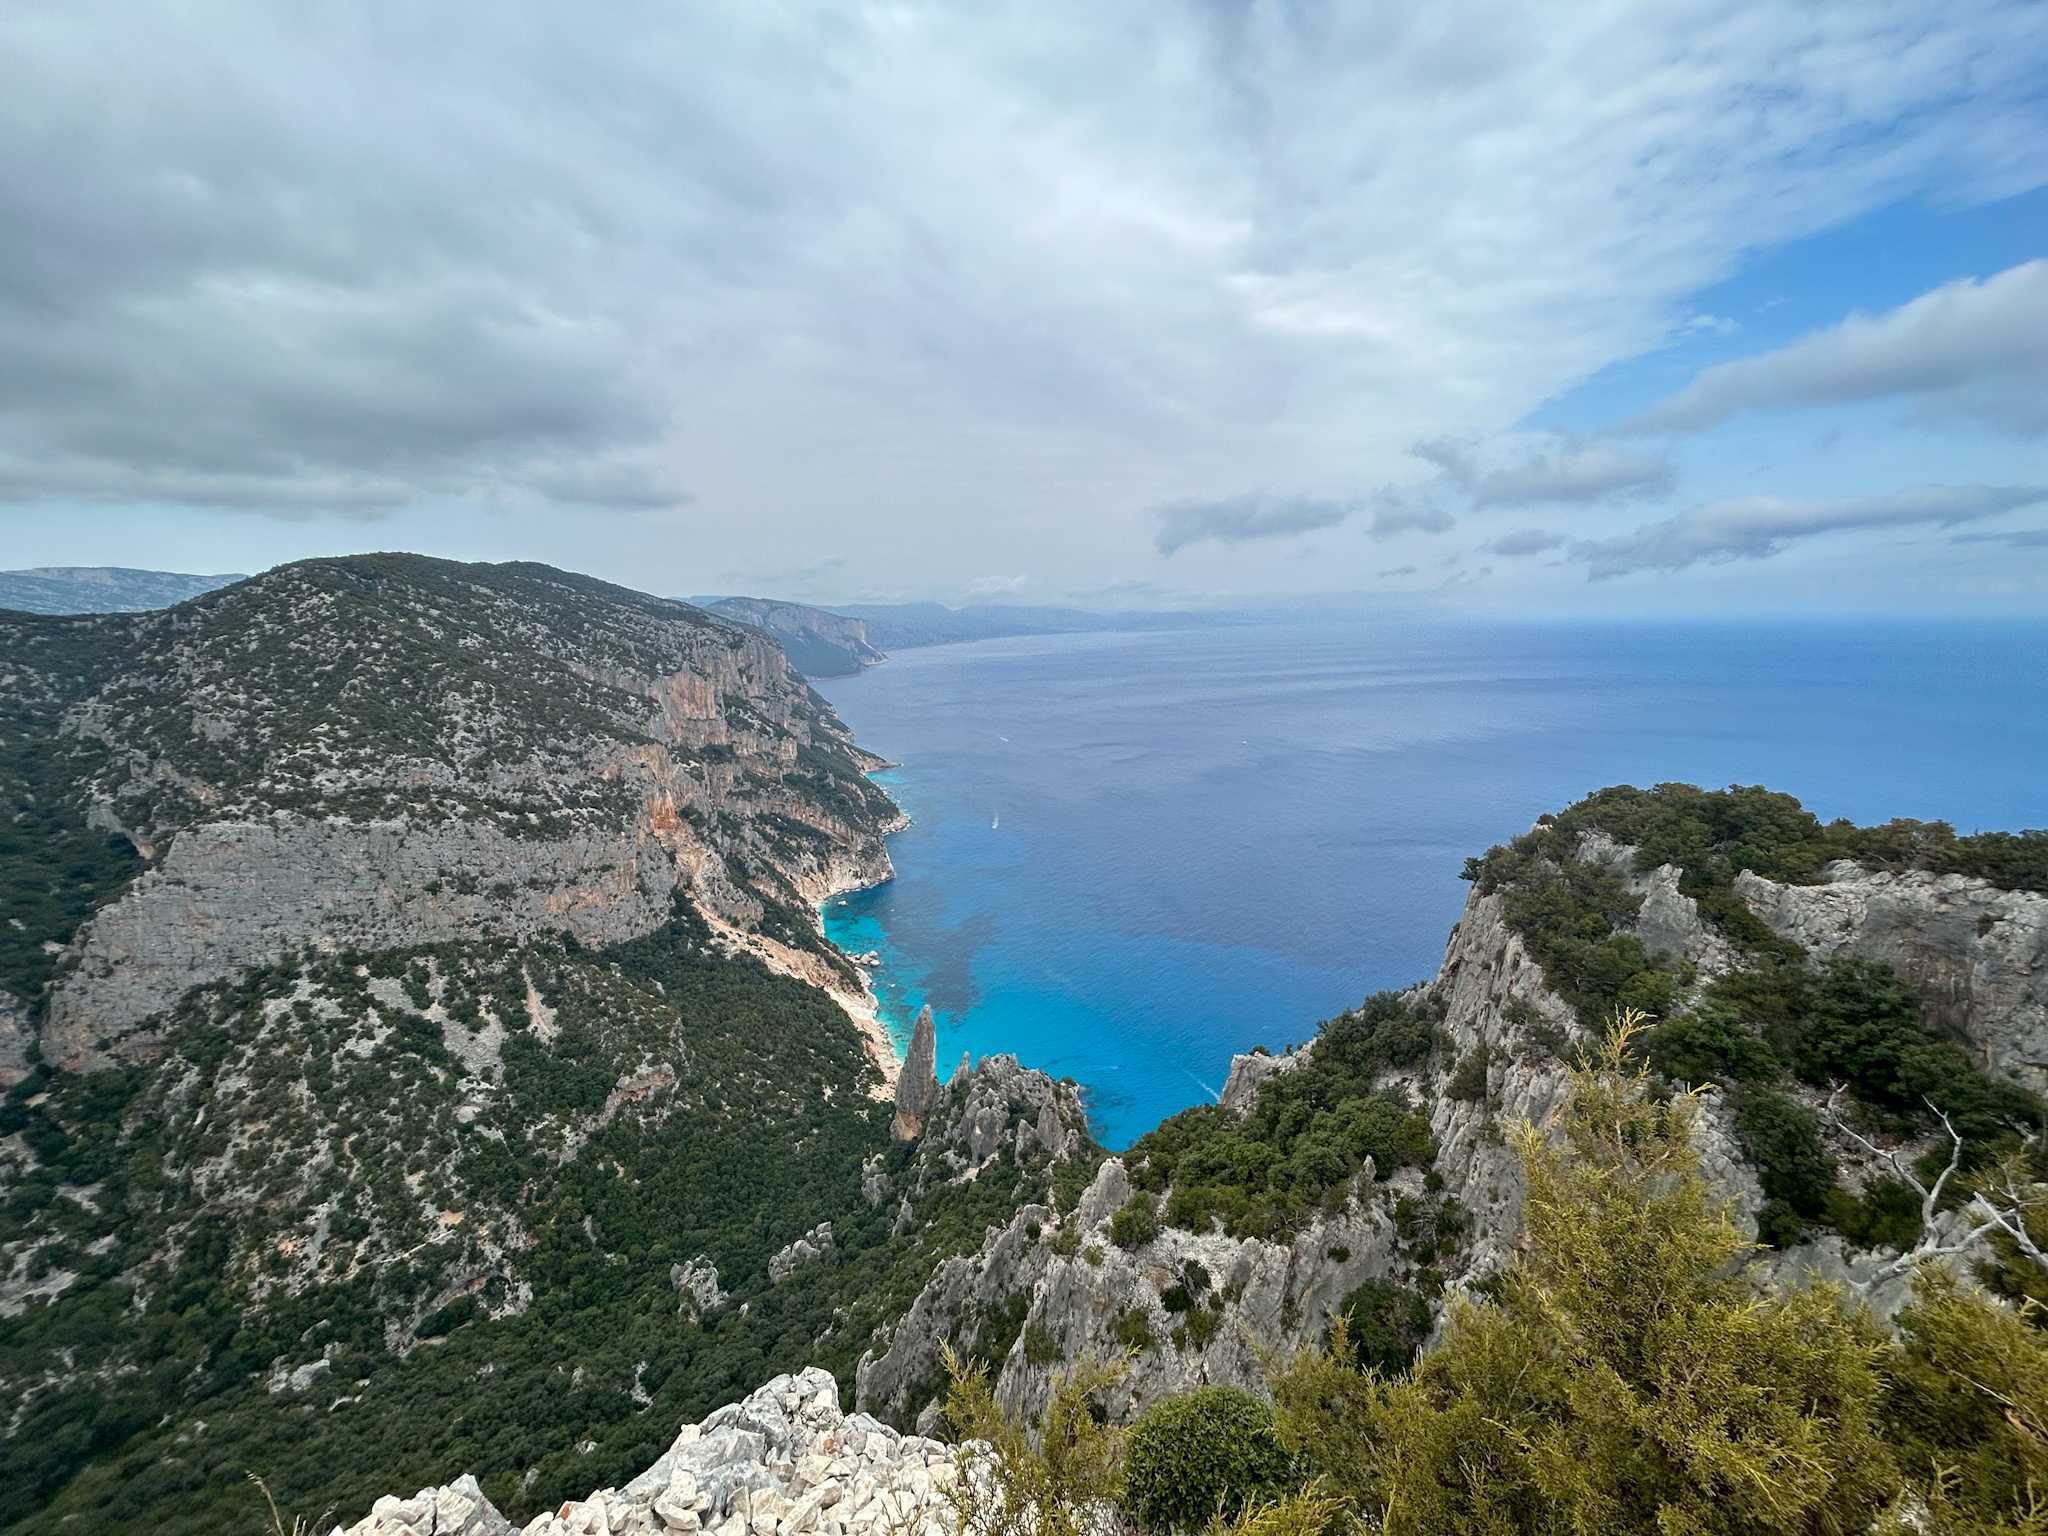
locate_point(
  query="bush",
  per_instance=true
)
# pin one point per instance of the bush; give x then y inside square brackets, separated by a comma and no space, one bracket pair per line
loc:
[1782,1137]
[1134,1329]
[1627,1379]
[1386,1324]
[1711,1045]
[1136,1222]
[1468,1082]
[1209,1452]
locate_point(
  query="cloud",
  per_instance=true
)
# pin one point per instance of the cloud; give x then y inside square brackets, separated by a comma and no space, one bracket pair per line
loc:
[1554,470]
[1400,570]
[1971,349]
[936,282]
[1527,541]
[1756,528]
[1398,513]
[2015,538]
[1245,519]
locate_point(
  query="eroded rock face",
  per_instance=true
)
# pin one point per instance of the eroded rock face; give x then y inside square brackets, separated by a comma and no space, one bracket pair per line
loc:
[918,1084]
[697,1289]
[16,1037]
[1977,954]
[390,751]
[784,1462]
[813,1245]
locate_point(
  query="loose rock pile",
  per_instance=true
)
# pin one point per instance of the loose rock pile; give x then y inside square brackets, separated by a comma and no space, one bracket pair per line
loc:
[785,1462]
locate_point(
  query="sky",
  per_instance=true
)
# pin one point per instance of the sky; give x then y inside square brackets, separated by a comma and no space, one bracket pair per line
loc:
[1585,308]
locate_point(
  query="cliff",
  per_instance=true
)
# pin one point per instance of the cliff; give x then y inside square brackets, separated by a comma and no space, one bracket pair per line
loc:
[818,643]
[384,751]
[1203,1297]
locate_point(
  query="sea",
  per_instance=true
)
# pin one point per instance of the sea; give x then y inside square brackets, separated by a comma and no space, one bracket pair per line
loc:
[1132,855]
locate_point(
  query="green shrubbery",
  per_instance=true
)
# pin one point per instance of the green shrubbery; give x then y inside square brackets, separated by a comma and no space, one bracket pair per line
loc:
[1621,1377]
[1386,1324]
[169,1311]
[1310,1130]
[1207,1453]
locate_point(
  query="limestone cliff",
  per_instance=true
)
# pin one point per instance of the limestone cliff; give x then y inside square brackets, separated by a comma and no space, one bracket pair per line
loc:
[1053,1284]
[918,1083]
[383,751]
[819,643]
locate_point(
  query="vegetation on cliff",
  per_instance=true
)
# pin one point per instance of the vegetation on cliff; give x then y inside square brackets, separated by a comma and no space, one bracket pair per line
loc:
[455,1182]
[1624,1376]
[1776,1019]
[1309,1131]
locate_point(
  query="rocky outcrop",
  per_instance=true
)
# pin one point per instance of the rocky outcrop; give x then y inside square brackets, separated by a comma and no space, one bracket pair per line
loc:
[1978,955]
[820,643]
[784,1462]
[917,1085]
[16,1038]
[697,1289]
[1079,1295]
[1977,952]
[388,751]
[812,1246]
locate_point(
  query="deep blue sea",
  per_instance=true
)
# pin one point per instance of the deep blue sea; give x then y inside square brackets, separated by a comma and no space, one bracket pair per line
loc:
[1133,854]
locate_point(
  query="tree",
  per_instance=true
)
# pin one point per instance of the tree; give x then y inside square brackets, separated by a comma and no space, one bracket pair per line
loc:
[2000,1205]
[1627,1379]
[1061,1480]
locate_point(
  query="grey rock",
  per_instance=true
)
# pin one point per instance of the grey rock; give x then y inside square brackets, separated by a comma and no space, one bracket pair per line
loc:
[1247,1072]
[1977,954]
[459,1509]
[697,1284]
[814,1244]
[16,1038]
[918,1084]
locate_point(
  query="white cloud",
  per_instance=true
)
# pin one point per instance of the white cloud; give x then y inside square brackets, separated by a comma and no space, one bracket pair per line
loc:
[986,285]
[1245,520]
[1969,348]
[1527,541]
[1547,470]
[1755,528]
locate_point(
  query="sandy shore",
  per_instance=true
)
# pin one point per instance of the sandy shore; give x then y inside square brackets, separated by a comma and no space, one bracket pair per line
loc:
[866,1013]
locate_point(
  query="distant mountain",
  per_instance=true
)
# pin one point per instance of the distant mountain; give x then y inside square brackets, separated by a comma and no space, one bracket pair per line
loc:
[100,589]
[840,641]
[818,643]
[901,626]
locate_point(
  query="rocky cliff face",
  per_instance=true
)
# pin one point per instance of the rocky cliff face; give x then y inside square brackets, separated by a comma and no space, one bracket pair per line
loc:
[386,751]
[1977,955]
[917,1085]
[819,643]
[1052,1285]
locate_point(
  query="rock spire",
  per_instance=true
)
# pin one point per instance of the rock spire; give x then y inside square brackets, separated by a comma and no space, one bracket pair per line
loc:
[918,1084]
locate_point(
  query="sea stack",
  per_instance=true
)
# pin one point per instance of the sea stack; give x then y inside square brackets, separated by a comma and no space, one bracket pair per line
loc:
[918,1084]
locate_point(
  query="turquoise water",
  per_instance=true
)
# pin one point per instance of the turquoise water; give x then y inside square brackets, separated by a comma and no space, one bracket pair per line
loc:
[1131,855]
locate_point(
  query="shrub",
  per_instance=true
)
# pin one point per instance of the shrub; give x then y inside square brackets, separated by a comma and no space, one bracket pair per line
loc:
[1386,1324]
[1136,1222]
[1468,1082]
[1711,1045]
[1627,1379]
[1212,1451]
[1782,1137]
[1134,1329]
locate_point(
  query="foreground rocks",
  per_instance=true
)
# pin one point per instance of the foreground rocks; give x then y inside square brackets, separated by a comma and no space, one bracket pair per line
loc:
[785,1462]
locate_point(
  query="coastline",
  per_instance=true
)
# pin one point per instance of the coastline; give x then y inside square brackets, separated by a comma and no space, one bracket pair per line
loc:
[861,1005]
